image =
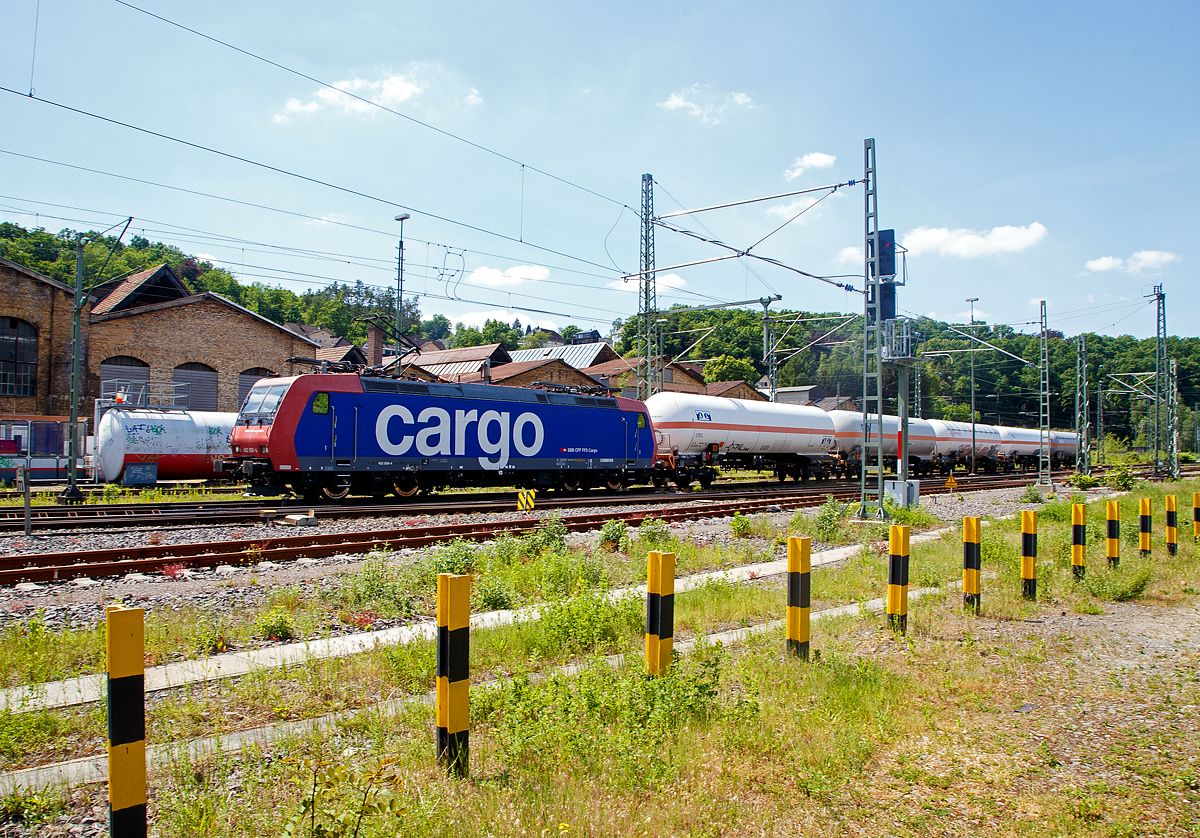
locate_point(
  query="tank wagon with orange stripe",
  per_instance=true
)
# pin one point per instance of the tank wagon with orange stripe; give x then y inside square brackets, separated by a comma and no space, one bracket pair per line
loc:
[696,433]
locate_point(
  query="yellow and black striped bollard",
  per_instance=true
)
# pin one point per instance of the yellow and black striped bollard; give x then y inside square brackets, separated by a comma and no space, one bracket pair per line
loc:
[897,595]
[1113,544]
[1079,540]
[1195,515]
[124,648]
[972,564]
[1144,526]
[1029,554]
[799,595]
[1172,526]
[526,499]
[453,672]
[660,611]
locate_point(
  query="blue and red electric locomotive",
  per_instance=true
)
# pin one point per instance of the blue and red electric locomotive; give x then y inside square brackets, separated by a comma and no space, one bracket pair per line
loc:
[330,435]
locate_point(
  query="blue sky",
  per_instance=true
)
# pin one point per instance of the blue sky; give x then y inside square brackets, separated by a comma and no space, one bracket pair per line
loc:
[1025,150]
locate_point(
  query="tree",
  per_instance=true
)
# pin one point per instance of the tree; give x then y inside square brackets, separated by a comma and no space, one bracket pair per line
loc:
[436,327]
[497,331]
[727,368]
[464,336]
[569,332]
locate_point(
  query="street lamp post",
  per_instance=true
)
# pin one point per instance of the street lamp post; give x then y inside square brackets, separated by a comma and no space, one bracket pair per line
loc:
[972,301]
[399,293]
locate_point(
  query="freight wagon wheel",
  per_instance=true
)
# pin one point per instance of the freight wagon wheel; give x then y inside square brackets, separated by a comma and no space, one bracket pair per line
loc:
[405,488]
[705,482]
[781,475]
[658,480]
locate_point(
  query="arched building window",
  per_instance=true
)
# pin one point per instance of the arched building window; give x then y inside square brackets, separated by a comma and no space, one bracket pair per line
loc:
[124,374]
[248,378]
[18,357]
[202,385]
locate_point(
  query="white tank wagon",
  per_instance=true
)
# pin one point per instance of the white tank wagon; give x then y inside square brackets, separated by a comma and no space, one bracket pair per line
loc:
[848,424]
[694,433]
[184,444]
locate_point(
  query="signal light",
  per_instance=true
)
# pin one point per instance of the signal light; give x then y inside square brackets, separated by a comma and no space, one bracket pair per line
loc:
[887,252]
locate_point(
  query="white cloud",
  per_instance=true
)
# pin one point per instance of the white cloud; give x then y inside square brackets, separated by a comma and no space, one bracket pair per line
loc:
[849,256]
[388,91]
[932,315]
[794,208]
[703,102]
[495,278]
[473,98]
[1144,261]
[662,281]
[206,257]
[1105,263]
[476,319]
[965,316]
[969,244]
[812,160]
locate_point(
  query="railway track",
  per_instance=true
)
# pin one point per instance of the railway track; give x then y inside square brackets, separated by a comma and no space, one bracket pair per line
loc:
[43,567]
[251,511]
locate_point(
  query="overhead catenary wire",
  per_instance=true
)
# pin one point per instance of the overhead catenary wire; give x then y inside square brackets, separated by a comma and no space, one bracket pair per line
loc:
[307,178]
[375,104]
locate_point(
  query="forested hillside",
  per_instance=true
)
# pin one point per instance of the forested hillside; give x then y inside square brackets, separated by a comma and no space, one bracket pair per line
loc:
[827,346]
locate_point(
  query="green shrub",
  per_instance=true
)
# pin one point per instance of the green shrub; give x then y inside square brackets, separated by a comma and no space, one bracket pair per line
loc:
[612,534]
[376,583]
[551,534]
[828,526]
[1083,481]
[275,624]
[1032,494]
[457,556]
[740,525]
[490,594]
[1127,581]
[112,492]
[1119,479]
[911,516]
[654,534]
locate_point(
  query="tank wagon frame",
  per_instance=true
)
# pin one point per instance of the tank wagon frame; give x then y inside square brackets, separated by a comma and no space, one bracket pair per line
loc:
[331,435]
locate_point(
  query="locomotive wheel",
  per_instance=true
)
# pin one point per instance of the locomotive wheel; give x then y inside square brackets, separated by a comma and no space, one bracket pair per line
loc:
[334,492]
[615,484]
[405,488]
[570,484]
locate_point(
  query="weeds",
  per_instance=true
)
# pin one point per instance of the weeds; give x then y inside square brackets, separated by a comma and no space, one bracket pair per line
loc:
[612,534]
[275,624]
[740,526]
[1119,479]
[1032,494]
[1125,582]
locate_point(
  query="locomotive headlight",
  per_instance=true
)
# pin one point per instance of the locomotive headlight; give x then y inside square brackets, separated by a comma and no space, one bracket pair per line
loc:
[262,450]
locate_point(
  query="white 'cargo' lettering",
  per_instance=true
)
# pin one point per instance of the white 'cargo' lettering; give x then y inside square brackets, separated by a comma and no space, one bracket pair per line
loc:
[500,446]
[539,434]
[462,418]
[441,430]
[381,430]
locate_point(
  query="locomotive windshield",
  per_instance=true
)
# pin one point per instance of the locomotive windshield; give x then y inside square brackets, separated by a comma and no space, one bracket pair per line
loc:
[261,403]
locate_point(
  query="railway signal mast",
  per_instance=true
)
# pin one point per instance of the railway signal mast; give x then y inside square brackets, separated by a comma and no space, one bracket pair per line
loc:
[886,340]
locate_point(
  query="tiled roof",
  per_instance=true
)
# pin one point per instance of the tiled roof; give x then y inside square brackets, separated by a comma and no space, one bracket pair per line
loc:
[195,298]
[716,388]
[348,352]
[126,287]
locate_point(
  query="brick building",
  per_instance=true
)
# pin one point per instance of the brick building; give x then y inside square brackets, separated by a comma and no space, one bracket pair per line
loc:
[146,328]
[35,342]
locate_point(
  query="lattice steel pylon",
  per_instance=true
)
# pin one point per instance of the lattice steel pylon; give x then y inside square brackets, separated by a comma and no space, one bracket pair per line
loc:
[1173,420]
[1083,440]
[1044,464]
[871,483]
[1160,379]
[650,381]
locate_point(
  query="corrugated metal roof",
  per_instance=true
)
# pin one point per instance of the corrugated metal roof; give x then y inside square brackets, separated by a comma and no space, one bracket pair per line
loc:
[580,356]
[497,353]
[451,370]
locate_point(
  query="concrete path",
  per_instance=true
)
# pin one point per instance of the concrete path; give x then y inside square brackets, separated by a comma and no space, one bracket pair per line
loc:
[95,769]
[87,689]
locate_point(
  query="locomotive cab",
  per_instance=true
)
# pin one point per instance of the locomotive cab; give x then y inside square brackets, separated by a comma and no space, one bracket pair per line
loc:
[250,439]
